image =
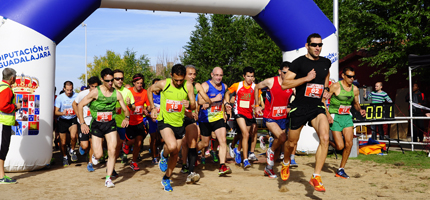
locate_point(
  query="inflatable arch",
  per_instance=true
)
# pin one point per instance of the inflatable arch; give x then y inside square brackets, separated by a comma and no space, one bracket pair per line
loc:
[30,30]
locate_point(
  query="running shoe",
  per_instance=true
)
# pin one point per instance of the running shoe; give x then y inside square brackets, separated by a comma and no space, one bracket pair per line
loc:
[163,164]
[90,167]
[231,151]
[252,157]
[224,170]
[184,169]
[237,156]
[207,152]
[95,160]
[124,158]
[193,177]
[262,143]
[270,173]
[214,156]
[81,151]
[65,162]
[155,161]
[134,166]
[285,171]
[293,163]
[341,173]
[270,157]
[73,156]
[114,174]
[281,156]
[166,184]
[7,180]
[125,148]
[317,183]
[246,164]
[203,161]
[108,183]
[271,141]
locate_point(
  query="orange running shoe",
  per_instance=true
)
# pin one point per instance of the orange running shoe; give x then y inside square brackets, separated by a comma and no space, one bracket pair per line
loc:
[317,183]
[285,171]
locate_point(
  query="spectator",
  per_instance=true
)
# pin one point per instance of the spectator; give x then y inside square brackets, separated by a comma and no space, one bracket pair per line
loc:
[378,96]
[418,98]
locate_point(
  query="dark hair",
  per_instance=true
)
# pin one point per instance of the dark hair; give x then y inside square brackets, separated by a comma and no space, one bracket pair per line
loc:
[248,69]
[94,79]
[179,70]
[155,80]
[68,83]
[106,71]
[118,71]
[347,69]
[313,35]
[62,91]
[284,64]
[137,77]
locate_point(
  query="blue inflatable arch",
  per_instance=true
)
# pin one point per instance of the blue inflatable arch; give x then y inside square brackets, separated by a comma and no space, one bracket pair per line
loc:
[31,29]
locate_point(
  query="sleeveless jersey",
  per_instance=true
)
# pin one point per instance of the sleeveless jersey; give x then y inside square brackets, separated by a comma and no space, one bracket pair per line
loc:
[171,108]
[141,102]
[214,112]
[275,106]
[244,100]
[341,104]
[103,108]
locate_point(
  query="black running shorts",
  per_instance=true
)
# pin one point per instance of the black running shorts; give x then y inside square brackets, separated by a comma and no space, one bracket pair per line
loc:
[301,115]
[178,131]
[206,128]
[100,129]
[63,125]
[133,131]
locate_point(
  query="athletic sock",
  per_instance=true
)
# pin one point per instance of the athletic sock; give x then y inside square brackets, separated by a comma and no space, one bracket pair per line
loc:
[269,167]
[314,175]
[107,177]
[65,157]
[340,168]
[286,163]
[71,151]
[192,157]
[220,165]
[166,177]
[292,157]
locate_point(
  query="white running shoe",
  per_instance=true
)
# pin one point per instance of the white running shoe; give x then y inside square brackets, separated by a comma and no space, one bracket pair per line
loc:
[231,151]
[262,143]
[192,178]
[95,161]
[281,156]
[252,157]
[270,157]
[108,183]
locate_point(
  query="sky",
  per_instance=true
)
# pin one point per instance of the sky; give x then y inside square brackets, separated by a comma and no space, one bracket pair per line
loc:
[151,33]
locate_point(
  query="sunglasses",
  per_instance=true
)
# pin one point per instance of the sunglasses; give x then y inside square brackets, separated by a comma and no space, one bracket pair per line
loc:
[350,76]
[107,81]
[284,72]
[316,44]
[119,79]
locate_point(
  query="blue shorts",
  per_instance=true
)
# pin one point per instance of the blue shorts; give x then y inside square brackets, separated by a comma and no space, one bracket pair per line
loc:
[152,125]
[282,123]
[121,132]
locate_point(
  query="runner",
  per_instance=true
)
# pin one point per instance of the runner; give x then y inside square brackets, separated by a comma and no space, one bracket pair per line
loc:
[153,130]
[176,95]
[103,125]
[243,111]
[275,114]
[339,115]
[136,131]
[84,145]
[129,101]
[309,74]
[67,122]
[212,118]
[189,142]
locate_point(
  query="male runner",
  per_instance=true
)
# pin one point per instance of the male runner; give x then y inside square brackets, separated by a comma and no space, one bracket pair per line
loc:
[103,125]
[339,115]
[93,82]
[212,117]
[136,131]
[176,95]
[153,130]
[118,76]
[243,111]
[67,122]
[309,74]
[275,113]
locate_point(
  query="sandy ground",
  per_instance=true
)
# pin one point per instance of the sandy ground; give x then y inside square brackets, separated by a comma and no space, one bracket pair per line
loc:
[368,181]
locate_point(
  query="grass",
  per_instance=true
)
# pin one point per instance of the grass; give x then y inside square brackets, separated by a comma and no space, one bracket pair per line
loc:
[414,159]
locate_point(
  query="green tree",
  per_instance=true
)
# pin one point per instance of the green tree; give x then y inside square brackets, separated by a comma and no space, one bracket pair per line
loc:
[130,63]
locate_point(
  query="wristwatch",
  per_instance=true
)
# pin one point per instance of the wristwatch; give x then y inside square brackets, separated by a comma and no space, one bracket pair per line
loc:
[128,117]
[82,123]
[327,88]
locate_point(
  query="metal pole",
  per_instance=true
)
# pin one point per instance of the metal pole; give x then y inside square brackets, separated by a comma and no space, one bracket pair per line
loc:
[336,16]
[410,106]
[85,26]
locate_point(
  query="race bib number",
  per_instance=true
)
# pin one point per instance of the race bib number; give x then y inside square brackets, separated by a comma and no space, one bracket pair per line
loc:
[279,111]
[70,112]
[244,104]
[314,90]
[87,113]
[216,107]
[344,110]
[138,110]
[173,106]
[104,116]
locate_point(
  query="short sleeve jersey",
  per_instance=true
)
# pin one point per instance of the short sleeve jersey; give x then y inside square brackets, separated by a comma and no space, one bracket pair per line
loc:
[87,113]
[310,93]
[141,102]
[63,102]
[120,116]
[244,98]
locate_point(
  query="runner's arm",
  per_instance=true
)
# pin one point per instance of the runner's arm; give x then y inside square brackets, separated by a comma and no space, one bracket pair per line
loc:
[120,99]
[290,82]
[203,94]
[57,111]
[191,97]
[158,86]
[75,108]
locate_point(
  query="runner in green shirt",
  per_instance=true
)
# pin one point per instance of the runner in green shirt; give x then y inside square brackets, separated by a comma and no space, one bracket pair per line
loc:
[176,96]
